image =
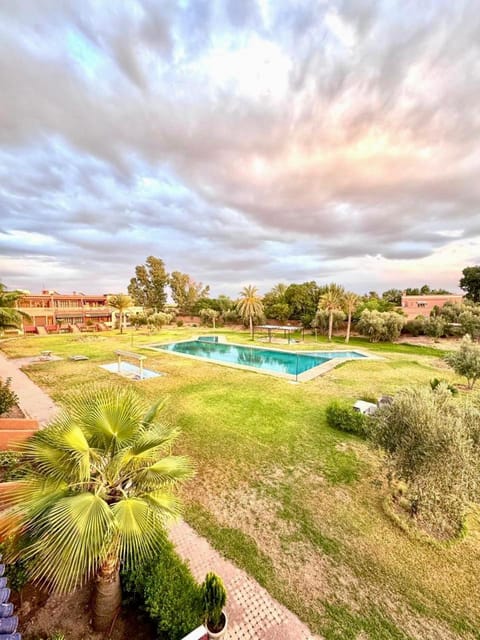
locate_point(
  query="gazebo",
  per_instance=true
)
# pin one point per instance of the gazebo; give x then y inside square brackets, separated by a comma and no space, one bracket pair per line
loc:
[287,330]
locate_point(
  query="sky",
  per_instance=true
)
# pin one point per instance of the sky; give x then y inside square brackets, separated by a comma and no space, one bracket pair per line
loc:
[241,141]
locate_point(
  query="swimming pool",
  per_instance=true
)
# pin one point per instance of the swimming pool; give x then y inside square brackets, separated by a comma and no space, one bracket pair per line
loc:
[274,361]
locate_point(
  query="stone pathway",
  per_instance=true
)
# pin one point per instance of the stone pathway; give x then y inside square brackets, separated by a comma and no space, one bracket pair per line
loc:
[253,614]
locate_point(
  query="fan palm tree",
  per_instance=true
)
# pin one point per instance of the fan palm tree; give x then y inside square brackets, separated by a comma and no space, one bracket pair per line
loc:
[249,305]
[331,301]
[9,315]
[350,303]
[95,494]
[121,302]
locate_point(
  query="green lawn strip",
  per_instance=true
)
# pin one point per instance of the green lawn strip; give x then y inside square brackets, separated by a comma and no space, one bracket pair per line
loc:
[344,624]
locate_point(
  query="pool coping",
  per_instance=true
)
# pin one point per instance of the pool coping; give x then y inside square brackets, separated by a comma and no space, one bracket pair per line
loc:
[305,376]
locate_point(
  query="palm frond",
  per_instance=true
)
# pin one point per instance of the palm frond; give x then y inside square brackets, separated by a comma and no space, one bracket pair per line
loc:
[140,528]
[168,470]
[153,411]
[71,540]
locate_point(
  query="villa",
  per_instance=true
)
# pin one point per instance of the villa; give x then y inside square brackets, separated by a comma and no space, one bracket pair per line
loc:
[414,306]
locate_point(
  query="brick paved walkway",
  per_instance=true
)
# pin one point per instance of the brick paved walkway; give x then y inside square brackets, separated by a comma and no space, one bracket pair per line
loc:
[253,614]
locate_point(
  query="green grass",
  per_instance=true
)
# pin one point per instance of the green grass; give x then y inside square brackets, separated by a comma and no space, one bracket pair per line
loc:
[295,503]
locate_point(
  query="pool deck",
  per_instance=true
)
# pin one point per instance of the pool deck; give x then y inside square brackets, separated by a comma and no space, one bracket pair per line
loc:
[310,374]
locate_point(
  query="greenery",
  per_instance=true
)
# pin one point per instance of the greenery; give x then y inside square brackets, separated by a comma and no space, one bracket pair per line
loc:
[186,293]
[166,590]
[8,398]
[380,326]
[345,418]
[470,282]
[214,598]
[433,444]
[297,504]
[158,320]
[121,303]
[147,288]
[16,569]
[10,317]
[331,300]
[250,306]
[466,361]
[95,493]
[435,383]
[10,465]
[209,315]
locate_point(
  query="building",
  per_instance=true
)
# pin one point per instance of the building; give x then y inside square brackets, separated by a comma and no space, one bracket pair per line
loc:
[414,306]
[53,311]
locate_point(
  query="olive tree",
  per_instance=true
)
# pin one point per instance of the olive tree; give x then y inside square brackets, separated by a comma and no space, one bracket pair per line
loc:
[466,361]
[432,444]
[380,326]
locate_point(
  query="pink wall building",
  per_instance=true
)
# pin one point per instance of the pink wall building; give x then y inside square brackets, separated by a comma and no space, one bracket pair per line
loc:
[414,306]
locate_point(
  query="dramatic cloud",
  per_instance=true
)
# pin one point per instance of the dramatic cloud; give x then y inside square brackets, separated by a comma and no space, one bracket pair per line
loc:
[252,141]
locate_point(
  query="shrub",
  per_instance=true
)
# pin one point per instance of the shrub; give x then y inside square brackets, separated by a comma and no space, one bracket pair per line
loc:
[415,327]
[432,444]
[167,591]
[10,465]
[345,418]
[380,326]
[15,570]
[8,398]
[466,361]
[435,327]
[214,597]
[179,323]
[435,383]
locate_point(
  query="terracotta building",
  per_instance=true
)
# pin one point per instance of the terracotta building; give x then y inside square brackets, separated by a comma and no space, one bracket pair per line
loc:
[51,311]
[414,306]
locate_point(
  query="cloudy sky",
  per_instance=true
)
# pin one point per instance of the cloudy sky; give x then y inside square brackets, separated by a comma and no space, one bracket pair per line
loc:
[242,141]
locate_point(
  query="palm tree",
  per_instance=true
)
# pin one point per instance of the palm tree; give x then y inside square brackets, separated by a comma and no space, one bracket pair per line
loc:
[95,494]
[249,305]
[350,303]
[121,302]
[9,315]
[331,300]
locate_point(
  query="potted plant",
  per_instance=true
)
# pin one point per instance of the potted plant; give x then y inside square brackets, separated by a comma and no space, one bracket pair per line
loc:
[214,598]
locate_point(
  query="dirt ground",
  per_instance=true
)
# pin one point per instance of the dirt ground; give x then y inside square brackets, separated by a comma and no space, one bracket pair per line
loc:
[42,615]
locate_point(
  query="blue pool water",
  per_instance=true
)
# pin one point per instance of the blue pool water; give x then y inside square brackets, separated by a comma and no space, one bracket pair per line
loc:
[264,359]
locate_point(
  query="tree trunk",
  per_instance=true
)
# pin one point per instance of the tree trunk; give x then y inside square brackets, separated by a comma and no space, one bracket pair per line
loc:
[251,326]
[349,322]
[107,595]
[213,322]
[330,326]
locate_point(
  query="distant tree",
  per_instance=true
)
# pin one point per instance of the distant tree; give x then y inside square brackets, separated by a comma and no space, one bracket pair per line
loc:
[10,316]
[147,288]
[249,305]
[425,290]
[470,282]
[186,292]
[435,327]
[372,304]
[380,326]
[121,302]
[350,303]
[159,319]
[209,315]
[433,446]
[394,296]
[321,321]
[275,304]
[415,326]
[331,301]
[303,300]
[466,361]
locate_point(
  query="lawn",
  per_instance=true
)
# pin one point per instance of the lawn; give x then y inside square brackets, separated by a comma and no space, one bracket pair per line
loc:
[298,505]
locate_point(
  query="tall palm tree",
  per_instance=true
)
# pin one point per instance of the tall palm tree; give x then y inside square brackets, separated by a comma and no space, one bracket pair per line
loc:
[249,305]
[331,301]
[95,494]
[121,302]
[10,316]
[350,303]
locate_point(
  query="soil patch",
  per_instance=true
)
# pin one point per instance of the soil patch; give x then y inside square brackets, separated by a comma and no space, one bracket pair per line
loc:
[41,615]
[14,413]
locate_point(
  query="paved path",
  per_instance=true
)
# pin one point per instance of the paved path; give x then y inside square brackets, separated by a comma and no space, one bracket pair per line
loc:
[253,614]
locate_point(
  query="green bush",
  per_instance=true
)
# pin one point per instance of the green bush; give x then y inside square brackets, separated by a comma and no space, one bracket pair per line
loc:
[8,398]
[416,326]
[214,597]
[10,468]
[345,418]
[166,590]
[15,570]
[179,323]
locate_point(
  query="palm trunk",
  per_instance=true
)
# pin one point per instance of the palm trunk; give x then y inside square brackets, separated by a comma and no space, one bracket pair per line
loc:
[213,322]
[330,326]
[121,321]
[349,322]
[251,326]
[107,596]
